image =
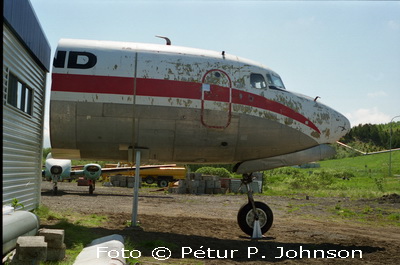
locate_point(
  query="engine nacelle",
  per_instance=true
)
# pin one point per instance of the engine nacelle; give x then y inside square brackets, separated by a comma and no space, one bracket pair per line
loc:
[92,171]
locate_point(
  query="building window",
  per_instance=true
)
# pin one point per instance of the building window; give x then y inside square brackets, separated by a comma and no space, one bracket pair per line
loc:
[19,94]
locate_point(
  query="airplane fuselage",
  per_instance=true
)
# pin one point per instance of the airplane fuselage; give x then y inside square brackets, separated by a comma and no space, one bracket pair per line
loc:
[178,105]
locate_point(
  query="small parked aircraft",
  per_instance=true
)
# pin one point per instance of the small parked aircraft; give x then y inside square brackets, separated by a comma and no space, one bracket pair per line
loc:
[60,169]
[184,105]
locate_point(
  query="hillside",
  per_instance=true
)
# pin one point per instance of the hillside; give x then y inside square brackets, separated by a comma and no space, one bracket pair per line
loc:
[374,136]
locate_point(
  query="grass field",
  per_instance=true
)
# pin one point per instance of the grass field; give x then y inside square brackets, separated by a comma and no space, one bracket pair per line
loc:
[355,177]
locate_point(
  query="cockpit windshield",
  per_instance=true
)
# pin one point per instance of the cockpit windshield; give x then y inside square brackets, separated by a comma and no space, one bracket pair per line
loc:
[274,81]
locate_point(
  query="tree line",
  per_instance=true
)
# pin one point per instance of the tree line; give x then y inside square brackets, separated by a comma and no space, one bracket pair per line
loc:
[375,134]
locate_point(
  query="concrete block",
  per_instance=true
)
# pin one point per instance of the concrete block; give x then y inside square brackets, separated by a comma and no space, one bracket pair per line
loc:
[209,190]
[217,191]
[54,254]
[122,181]
[53,237]
[207,177]
[32,248]
[195,183]
[202,187]
[234,185]
[258,175]
[225,183]
[115,183]
[210,184]
[190,176]
[217,184]
[182,190]
[198,176]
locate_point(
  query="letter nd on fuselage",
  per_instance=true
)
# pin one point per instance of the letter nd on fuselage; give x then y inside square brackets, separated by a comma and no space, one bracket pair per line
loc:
[179,104]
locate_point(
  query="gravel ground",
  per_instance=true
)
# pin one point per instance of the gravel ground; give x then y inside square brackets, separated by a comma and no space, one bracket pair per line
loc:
[187,223]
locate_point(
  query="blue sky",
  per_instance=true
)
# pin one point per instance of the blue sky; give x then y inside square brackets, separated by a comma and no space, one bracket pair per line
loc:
[346,52]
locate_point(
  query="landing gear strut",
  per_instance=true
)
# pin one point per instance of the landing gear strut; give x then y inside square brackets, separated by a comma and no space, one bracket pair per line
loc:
[253,211]
[55,188]
[92,186]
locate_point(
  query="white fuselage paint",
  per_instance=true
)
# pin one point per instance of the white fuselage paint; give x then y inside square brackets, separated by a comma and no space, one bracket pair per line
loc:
[178,104]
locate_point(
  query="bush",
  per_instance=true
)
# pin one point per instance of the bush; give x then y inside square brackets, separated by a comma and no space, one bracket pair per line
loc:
[285,171]
[318,179]
[221,172]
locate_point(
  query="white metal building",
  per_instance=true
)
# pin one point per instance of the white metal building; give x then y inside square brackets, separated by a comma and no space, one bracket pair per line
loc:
[26,62]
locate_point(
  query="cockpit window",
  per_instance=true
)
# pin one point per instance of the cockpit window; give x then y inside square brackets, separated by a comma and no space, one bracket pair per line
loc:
[274,81]
[257,81]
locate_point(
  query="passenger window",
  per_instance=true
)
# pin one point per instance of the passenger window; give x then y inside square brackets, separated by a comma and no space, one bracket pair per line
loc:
[257,81]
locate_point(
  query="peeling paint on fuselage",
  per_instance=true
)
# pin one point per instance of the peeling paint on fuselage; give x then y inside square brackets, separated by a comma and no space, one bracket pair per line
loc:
[228,106]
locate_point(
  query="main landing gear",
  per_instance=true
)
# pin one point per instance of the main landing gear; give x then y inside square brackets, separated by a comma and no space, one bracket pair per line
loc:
[92,186]
[55,181]
[254,218]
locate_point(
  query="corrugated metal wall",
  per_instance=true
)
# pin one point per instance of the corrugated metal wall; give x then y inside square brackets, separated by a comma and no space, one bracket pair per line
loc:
[22,133]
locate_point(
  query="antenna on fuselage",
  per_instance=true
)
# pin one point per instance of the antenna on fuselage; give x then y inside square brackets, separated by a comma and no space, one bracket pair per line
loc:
[165,38]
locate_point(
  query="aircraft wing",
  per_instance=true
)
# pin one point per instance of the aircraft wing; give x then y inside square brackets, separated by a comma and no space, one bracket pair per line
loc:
[124,169]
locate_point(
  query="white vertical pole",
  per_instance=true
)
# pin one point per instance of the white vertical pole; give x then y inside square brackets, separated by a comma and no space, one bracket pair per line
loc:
[390,146]
[136,190]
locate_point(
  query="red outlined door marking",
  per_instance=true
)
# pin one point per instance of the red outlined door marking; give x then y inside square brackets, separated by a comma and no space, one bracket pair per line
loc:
[216,99]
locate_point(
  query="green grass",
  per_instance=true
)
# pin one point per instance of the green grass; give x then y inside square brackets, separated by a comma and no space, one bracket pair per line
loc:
[365,165]
[79,230]
[367,178]
[377,216]
[357,177]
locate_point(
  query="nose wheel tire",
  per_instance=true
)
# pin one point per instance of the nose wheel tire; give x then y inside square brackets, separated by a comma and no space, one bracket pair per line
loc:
[246,217]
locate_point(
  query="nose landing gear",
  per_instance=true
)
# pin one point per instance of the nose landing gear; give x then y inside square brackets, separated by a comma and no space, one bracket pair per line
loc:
[254,215]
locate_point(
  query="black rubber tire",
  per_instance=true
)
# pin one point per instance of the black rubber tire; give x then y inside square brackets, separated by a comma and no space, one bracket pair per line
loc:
[91,189]
[245,220]
[162,183]
[55,189]
[149,180]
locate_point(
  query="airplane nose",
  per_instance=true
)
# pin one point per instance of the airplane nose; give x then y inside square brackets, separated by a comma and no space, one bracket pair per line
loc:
[340,126]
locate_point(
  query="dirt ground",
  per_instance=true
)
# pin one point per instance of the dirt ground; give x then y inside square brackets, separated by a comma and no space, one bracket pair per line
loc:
[189,223]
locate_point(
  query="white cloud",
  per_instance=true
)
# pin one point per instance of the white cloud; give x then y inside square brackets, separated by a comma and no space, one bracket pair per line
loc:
[363,116]
[377,94]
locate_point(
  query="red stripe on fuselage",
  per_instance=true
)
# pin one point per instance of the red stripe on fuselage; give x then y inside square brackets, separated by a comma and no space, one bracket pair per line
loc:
[169,88]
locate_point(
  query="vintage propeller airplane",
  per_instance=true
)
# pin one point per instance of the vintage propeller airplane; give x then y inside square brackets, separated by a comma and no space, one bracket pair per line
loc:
[184,105]
[60,169]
